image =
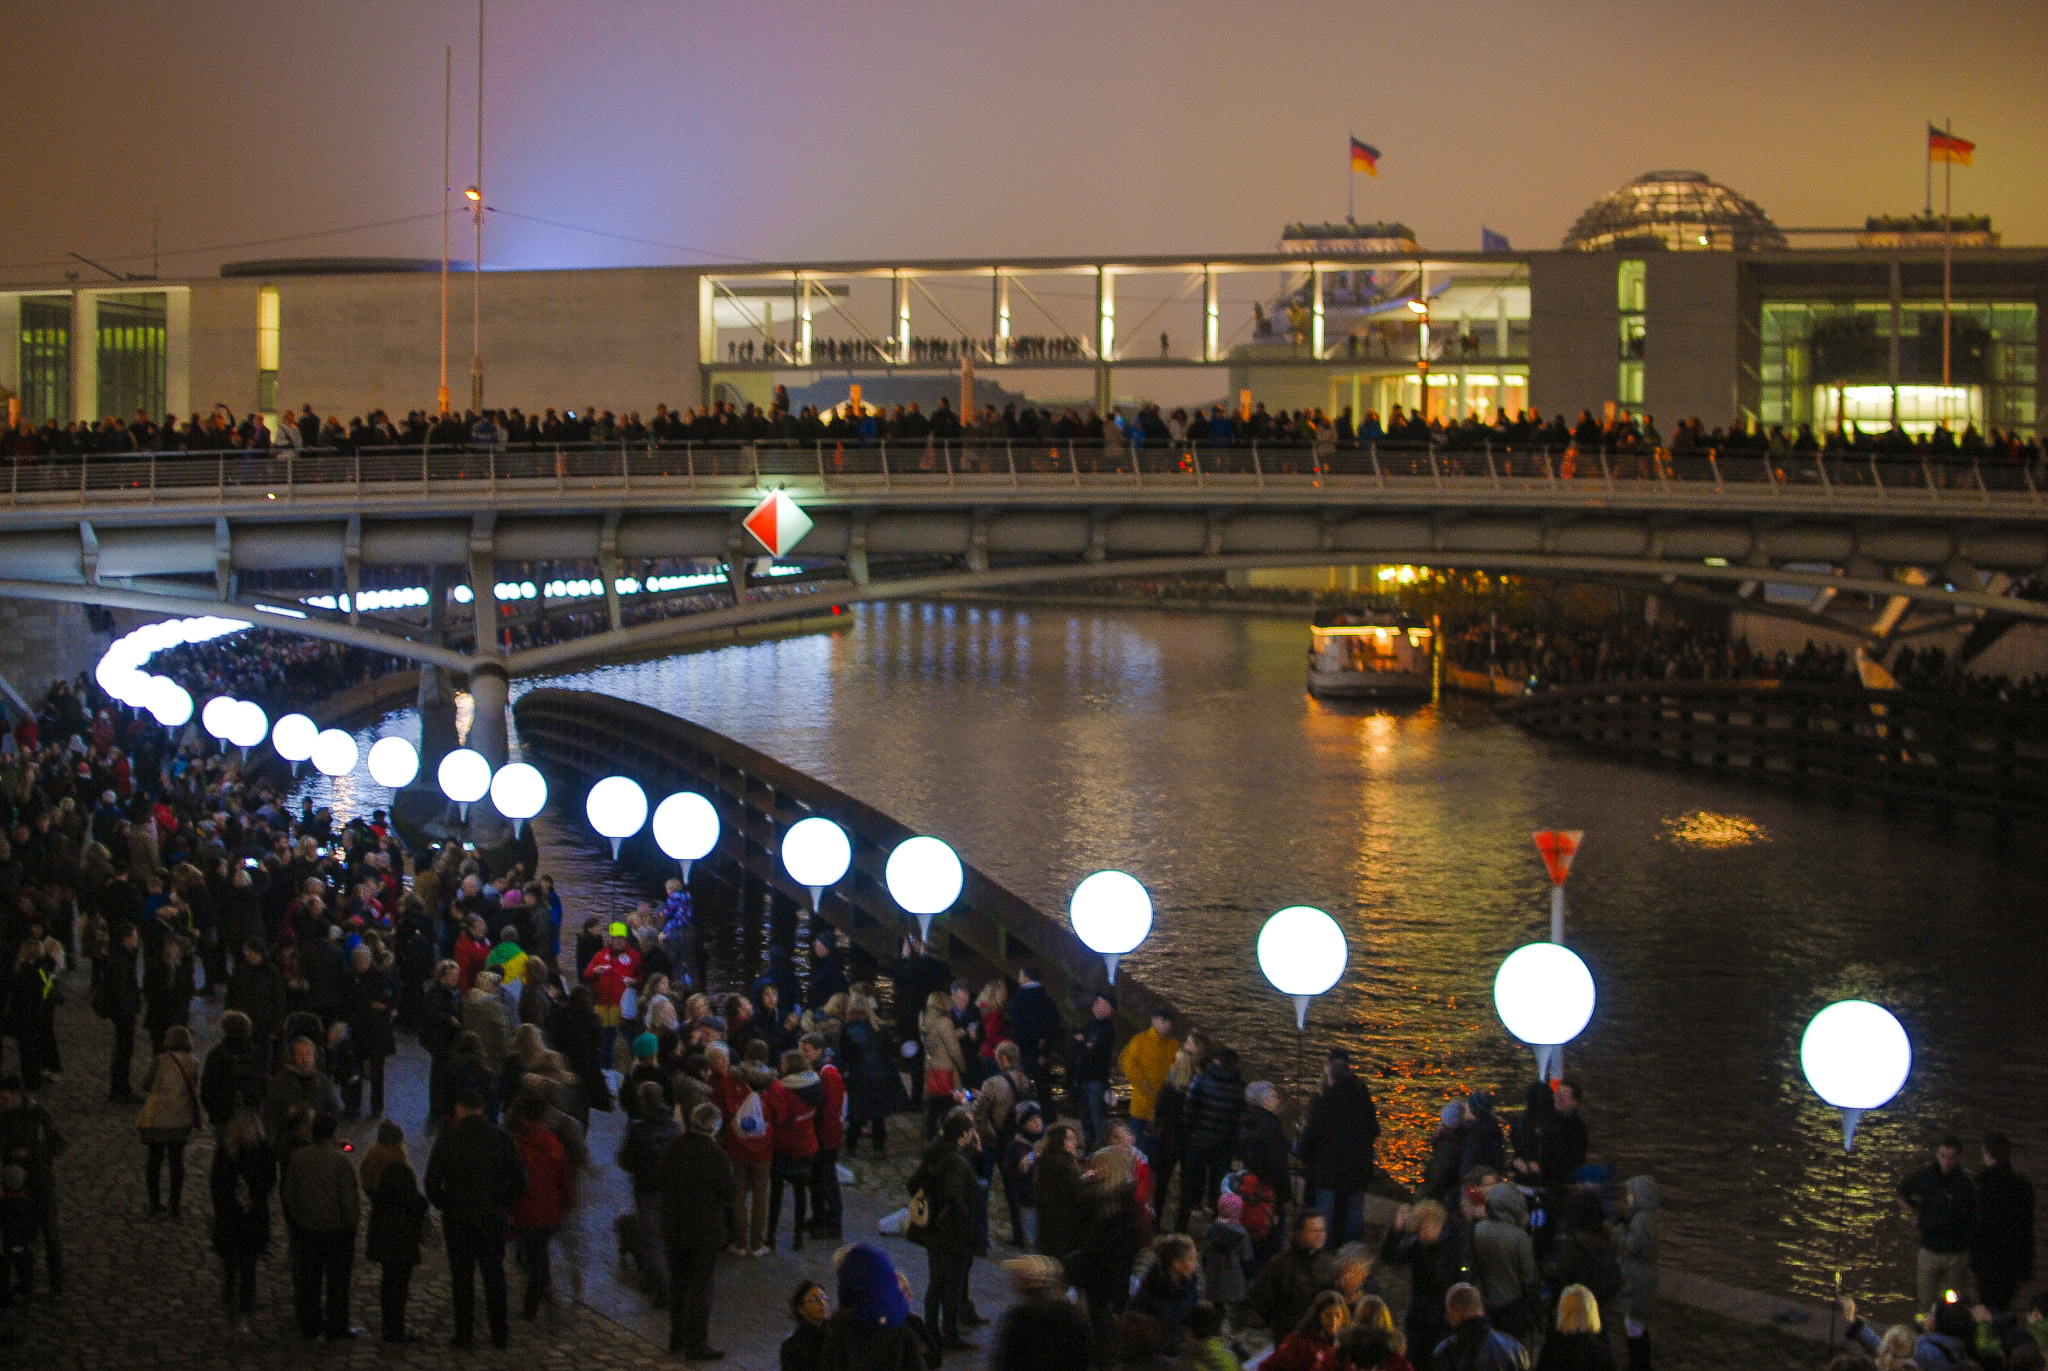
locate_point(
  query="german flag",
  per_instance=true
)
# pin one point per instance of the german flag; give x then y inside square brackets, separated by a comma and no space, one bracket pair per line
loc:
[1366,158]
[1945,147]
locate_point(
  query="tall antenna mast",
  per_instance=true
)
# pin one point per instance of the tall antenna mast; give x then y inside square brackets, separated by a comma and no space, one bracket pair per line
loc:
[476,294]
[447,175]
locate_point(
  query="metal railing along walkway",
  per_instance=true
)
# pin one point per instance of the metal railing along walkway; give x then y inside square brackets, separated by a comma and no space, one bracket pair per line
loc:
[1519,475]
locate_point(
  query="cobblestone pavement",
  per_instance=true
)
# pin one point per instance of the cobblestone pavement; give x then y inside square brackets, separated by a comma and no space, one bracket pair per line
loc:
[145,1292]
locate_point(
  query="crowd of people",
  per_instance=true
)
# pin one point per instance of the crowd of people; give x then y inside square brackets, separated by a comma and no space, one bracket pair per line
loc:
[165,873]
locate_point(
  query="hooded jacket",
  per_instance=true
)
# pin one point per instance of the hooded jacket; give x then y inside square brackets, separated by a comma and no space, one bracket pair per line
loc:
[791,1105]
[1502,1250]
[1336,1142]
[1636,1237]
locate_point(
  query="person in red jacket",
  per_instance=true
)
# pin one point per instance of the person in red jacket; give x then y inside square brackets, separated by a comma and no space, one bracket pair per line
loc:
[609,973]
[472,950]
[545,1203]
[750,1142]
[792,1105]
[825,1204]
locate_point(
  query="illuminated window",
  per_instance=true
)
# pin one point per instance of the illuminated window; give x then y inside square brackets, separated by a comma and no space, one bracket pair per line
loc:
[1630,296]
[131,353]
[266,349]
[45,358]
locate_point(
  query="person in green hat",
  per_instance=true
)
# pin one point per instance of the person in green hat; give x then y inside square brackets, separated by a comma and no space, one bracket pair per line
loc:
[610,972]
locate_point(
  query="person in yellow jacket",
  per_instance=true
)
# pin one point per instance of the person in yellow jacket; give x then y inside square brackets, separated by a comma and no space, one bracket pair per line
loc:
[1146,1059]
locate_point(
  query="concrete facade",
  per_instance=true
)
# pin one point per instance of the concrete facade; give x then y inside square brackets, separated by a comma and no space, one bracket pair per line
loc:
[1692,346]
[1574,332]
[41,641]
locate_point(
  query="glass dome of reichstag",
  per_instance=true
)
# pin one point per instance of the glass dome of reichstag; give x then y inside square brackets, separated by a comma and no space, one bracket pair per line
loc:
[1679,211]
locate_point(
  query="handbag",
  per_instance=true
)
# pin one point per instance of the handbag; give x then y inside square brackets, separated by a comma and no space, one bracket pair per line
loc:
[938,1082]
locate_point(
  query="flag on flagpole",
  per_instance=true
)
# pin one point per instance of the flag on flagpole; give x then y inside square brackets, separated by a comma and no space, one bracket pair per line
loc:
[1946,147]
[1365,157]
[1489,241]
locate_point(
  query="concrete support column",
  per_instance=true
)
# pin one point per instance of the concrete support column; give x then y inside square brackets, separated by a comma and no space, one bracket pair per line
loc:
[483,581]
[857,551]
[608,549]
[489,694]
[85,356]
[1315,334]
[736,563]
[1212,315]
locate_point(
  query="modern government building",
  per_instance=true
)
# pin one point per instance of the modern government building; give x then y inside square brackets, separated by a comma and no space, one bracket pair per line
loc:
[1673,296]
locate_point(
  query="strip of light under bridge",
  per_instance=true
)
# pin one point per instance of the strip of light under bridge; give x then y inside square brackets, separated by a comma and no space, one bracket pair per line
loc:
[506,592]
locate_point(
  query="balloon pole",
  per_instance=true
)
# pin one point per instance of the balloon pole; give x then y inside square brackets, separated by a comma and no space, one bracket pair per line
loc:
[1301,1011]
[817,898]
[615,849]
[924,928]
[1109,960]
[463,810]
[1850,1118]
[686,871]
[1557,913]
[518,826]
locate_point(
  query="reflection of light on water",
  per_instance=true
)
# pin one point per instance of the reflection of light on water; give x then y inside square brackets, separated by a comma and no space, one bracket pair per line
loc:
[465,714]
[355,795]
[1704,828]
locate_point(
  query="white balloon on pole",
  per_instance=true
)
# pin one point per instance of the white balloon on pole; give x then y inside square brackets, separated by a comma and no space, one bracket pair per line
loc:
[520,792]
[816,853]
[1856,1056]
[464,776]
[1544,995]
[686,828]
[170,702]
[293,737]
[334,752]
[215,715]
[248,726]
[616,808]
[924,876]
[1111,914]
[394,763]
[1302,952]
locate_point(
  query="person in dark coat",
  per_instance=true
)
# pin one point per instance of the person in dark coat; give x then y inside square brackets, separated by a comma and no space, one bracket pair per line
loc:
[697,1192]
[810,1310]
[2002,1240]
[256,987]
[117,998]
[1093,1055]
[1473,1345]
[1420,1240]
[235,1076]
[871,1330]
[1056,1192]
[168,985]
[1112,1236]
[1281,1294]
[1944,1205]
[1036,1029]
[874,1090]
[243,1177]
[828,973]
[1561,1148]
[580,1037]
[1210,1116]
[474,1177]
[398,1215]
[1262,1138]
[367,1001]
[1336,1146]
[1042,1331]
[1481,1142]
[951,1191]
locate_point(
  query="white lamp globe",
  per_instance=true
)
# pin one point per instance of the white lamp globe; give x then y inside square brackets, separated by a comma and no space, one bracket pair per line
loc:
[170,702]
[334,752]
[215,714]
[686,828]
[1856,1056]
[616,808]
[816,853]
[394,763]
[1112,914]
[520,792]
[1302,952]
[464,776]
[248,725]
[924,876]
[1544,995]
[293,738]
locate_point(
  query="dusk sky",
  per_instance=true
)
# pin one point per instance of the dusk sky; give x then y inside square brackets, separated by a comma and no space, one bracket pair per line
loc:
[779,130]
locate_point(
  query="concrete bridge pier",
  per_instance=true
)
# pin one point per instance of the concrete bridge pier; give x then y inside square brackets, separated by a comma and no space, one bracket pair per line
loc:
[489,693]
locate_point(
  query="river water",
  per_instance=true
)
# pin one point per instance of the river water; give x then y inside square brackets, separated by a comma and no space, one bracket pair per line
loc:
[1045,744]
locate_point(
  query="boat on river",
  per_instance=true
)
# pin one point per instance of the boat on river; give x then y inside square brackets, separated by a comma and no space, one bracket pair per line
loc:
[1369,655]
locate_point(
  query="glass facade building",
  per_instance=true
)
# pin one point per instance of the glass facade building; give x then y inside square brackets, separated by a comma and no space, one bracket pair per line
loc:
[1828,361]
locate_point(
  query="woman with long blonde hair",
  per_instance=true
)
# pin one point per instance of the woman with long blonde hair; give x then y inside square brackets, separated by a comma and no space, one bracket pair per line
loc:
[1576,1344]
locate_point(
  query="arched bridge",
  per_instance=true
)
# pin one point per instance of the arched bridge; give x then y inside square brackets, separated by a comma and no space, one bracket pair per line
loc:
[178,533]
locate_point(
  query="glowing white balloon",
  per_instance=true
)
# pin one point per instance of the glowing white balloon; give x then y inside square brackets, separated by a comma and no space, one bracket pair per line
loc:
[169,702]
[334,752]
[1112,914]
[293,737]
[465,776]
[248,726]
[815,853]
[1302,952]
[686,828]
[216,715]
[519,792]
[1856,1056]
[616,808]
[394,763]
[924,876]
[1544,994]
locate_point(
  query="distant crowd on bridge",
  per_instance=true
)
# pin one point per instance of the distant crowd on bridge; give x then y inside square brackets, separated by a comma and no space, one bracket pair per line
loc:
[1524,443]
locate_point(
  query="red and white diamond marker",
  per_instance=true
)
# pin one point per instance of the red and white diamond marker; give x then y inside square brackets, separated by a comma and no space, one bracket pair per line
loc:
[1558,847]
[777,524]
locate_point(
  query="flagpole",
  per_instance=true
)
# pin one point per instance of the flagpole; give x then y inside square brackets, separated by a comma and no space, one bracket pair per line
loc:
[1929,177]
[1948,178]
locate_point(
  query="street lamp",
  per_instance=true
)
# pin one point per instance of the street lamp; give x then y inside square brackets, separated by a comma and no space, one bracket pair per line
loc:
[924,875]
[686,828]
[334,752]
[1302,952]
[815,853]
[617,809]
[1111,914]
[520,792]
[464,776]
[293,737]
[394,763]
[1856,1056]
[1544,995]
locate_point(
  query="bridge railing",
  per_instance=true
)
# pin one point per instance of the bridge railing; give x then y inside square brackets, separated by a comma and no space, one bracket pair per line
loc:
[1799,477]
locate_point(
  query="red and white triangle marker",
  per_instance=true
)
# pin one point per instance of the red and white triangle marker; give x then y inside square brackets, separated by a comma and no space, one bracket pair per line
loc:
[777,524]
[1558,847]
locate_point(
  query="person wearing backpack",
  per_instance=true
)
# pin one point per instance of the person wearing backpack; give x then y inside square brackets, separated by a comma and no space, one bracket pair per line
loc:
[750,1143]
[995,1119]
[792,1105]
